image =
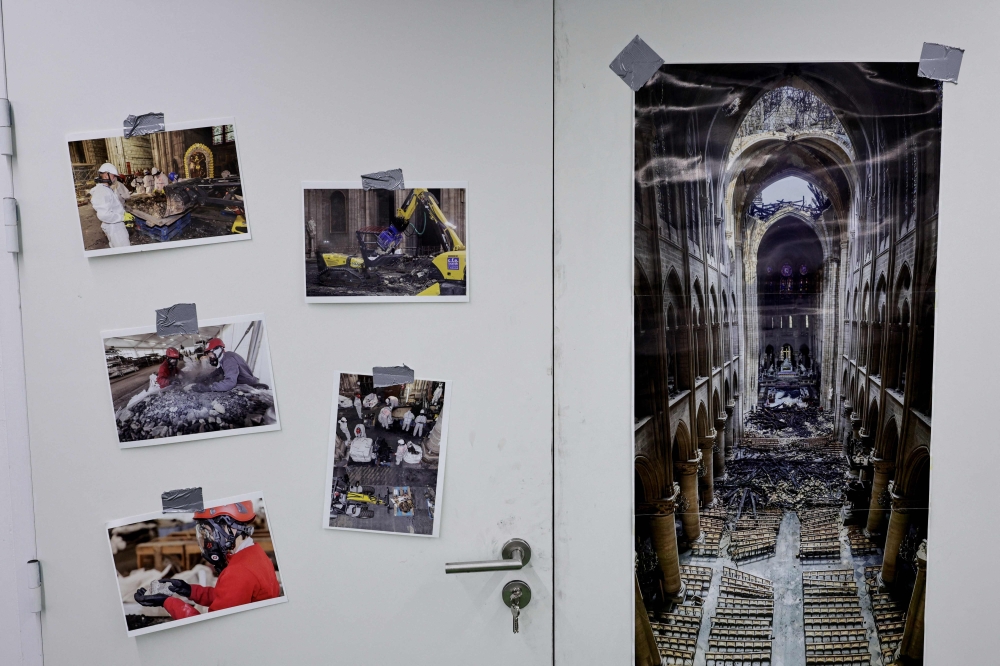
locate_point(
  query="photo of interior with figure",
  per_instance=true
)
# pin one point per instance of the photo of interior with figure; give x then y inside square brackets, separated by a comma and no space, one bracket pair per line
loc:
[385,244]
[785,241]
[191,386]
[177,566]
[386,450]
[158,189]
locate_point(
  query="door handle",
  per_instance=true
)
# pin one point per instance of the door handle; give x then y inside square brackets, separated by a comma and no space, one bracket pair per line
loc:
[515,553]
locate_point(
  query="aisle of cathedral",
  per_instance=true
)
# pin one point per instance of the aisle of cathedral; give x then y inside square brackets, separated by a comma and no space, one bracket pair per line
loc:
[783,362]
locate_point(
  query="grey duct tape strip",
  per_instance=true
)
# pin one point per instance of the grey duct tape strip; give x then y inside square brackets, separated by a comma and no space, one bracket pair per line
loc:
[147,123]
[636,64]
[383,180]
[940,62]
[180,318]
[392,376]
[182,500]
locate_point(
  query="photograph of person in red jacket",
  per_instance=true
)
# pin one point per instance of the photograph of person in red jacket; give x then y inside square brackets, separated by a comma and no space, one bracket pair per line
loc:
[230,568]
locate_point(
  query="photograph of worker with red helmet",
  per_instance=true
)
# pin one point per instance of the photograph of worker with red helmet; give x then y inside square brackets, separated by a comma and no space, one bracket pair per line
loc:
[173,388]
[189,566]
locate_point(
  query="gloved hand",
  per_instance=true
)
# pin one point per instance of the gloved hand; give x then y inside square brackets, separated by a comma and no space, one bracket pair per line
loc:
[199,388]
[177,586]
[150,599]
[129,217]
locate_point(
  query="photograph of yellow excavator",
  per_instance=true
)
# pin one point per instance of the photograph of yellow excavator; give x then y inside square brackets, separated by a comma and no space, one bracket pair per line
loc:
[385,245]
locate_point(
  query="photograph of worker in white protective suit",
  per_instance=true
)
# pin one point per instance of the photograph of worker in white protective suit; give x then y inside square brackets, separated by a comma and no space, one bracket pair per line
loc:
[384,474]
[175,388]
[174,188]
[378,245]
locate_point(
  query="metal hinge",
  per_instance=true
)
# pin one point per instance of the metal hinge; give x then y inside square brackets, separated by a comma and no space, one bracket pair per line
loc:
[11,239]
[35,586]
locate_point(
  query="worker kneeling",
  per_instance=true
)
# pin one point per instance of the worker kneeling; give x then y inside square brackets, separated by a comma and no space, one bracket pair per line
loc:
[169,371]
[234,369]
[245,572]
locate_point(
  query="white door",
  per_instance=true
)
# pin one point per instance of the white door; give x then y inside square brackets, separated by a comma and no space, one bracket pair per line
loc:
[319,91]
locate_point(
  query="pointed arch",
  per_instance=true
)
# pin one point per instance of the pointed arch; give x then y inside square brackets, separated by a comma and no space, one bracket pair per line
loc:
[682,447]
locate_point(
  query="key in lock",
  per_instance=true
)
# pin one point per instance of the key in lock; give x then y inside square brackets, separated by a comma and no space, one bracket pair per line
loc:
[516,594]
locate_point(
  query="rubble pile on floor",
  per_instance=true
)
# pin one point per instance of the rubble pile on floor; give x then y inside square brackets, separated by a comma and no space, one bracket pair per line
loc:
[741,626]
[787,422]
[834,627]
[754,535]
[790,475]
[820,534]
[713,524]
[890,616]
[174,412]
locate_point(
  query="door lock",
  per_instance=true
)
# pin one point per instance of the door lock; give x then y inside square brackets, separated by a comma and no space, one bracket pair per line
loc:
[516,594]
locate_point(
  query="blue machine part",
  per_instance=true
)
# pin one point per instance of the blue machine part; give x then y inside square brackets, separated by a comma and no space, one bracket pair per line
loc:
[389,238]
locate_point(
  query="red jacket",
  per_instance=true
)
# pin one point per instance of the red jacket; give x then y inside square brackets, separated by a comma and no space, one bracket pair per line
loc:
[165,374]
[248,577]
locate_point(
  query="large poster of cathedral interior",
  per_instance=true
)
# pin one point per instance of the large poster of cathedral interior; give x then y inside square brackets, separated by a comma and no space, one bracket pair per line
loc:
[785,239]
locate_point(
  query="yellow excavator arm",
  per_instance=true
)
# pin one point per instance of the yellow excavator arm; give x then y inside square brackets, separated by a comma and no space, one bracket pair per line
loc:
[421,196]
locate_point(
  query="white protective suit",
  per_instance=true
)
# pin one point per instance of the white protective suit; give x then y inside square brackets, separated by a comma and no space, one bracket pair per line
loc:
[357,406]
[436,396]
[392,401]
[385,418]
[137,184]
[160,181]
[344,429]
[418,429]
[108,206]
[407,421]
[370,401]
[147,182]
[400,452]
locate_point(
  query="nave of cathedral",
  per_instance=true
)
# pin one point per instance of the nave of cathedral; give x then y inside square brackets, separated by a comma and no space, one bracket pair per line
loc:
[783,363]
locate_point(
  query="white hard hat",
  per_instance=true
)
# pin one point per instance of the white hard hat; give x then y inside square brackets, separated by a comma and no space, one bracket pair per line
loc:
[108,167]
[421,411]
[401,442]
[343,419]
[155,171]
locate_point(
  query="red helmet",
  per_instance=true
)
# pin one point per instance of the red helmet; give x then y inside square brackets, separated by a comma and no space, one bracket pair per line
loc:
[240,511]
[173,353]
[214,343]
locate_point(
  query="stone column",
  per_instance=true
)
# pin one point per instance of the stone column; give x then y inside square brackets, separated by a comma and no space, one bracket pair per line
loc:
[848,408]
[911,647]
[719,448]
[687,471]
[880,498]
[855,431]
[899,520]
[665,544]
[706,444]
[729,430]
[646,652]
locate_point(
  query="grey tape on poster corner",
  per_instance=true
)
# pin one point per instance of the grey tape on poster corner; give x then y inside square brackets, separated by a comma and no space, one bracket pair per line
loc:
[383,180]
[182,500]
[636,64]
[147,123]
[392,376]
[940,62]
[181,318]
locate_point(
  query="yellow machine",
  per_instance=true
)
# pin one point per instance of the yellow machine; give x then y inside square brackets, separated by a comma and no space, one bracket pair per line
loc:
[381,246]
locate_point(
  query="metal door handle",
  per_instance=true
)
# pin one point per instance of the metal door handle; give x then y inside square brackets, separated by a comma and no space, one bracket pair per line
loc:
[515,553]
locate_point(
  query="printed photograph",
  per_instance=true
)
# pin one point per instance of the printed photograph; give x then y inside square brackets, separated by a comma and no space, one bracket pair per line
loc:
[385,245]
[386,456]
[214,383]
[785,253]
[168,189]
[178,568]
